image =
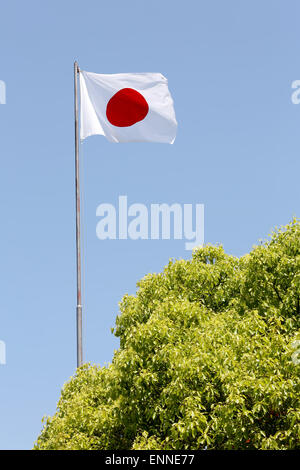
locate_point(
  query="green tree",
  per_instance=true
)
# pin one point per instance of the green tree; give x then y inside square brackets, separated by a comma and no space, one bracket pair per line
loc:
[207,359]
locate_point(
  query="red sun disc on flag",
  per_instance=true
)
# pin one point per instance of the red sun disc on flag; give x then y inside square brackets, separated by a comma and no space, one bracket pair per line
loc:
[126,107]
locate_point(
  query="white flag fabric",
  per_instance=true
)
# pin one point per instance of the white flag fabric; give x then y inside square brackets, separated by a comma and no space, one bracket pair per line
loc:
[127,107]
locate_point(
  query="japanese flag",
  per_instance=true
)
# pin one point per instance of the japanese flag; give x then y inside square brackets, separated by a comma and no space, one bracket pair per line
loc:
[127,107]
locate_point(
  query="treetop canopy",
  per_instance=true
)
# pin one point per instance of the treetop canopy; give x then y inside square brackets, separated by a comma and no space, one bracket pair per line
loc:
[208,358]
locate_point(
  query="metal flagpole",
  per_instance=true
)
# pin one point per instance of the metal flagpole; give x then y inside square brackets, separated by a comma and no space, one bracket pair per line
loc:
[77,193]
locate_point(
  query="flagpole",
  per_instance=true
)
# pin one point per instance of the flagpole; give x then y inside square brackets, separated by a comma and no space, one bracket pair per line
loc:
[77,195]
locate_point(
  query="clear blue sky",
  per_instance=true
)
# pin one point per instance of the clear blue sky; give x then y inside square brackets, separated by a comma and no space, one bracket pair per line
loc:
[230,66]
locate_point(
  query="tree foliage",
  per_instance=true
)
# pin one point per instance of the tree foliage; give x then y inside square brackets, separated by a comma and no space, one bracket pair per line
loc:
[207,359]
